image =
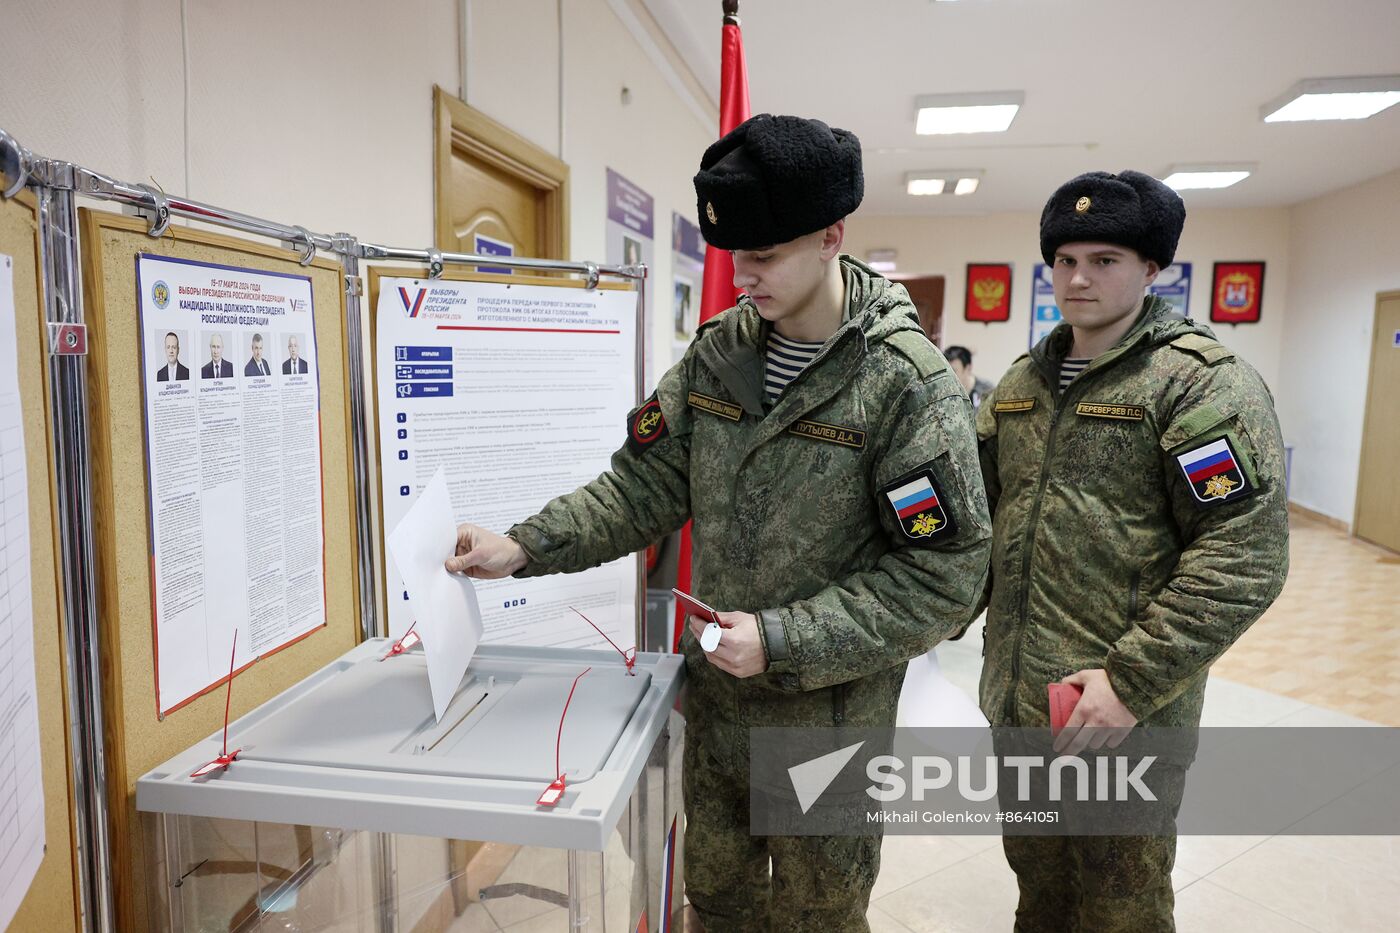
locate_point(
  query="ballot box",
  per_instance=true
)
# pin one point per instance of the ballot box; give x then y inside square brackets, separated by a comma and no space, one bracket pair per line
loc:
[350,807]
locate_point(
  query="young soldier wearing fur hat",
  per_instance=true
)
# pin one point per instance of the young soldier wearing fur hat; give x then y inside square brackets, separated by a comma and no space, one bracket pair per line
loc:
[1134,468]
[798,432]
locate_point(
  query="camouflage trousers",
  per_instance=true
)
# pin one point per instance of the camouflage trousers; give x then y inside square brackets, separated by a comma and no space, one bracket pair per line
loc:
[1093,883]
[817,883]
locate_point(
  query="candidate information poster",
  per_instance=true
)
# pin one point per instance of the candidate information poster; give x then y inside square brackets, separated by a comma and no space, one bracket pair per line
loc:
[520,393]
[233,448]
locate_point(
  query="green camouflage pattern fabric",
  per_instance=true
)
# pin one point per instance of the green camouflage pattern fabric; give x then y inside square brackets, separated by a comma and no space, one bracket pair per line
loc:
[815,883]
[793,527]
[790,523]
[1093,884]
[1104,556]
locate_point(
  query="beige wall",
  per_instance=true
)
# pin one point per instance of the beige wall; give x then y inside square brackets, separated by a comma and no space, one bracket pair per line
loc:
[1345,248]
[945,245]
[1326,260]
[319,112]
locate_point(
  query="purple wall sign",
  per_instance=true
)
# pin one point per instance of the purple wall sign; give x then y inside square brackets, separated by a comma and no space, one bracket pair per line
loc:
[685,238]
[629,205]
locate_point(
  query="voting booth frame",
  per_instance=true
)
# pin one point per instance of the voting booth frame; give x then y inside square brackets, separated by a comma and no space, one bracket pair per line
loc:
[95,606]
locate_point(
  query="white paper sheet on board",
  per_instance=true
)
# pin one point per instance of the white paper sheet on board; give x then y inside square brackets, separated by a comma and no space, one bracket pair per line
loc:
[233,445]
[21,781]
[521,393]
[446,614]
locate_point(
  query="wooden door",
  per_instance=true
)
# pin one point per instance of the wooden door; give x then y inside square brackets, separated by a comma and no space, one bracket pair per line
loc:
[926,291]
[1377,492]
[493,182]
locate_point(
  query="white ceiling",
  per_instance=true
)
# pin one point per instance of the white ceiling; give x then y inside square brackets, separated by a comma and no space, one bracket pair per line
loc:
[1109,84]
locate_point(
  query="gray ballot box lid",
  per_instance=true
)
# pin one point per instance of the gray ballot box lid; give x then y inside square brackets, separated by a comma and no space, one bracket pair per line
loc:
[356,746]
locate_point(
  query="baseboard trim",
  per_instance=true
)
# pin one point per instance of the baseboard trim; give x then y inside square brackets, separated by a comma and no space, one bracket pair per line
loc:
[1328,520]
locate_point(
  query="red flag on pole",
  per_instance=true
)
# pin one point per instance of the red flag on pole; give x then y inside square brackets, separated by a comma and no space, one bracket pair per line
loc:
[718,292]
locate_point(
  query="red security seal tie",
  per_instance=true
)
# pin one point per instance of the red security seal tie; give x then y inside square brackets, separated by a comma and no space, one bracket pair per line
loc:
[555,791]
[225,759]
[409,639]
[629,657]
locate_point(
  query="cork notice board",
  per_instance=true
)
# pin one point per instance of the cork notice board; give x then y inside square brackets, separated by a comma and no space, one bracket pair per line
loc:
[51,903]
[136,739]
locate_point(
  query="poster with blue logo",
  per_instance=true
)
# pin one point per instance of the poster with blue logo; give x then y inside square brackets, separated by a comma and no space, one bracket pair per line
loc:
[1174,284]
[520,393]
[230,371]
[1045,314]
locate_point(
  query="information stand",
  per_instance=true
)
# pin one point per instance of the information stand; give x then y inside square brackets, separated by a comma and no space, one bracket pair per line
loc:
[518,387]
[51,901]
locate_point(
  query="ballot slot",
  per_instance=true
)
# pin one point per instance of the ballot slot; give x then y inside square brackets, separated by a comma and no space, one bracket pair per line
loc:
[502,723]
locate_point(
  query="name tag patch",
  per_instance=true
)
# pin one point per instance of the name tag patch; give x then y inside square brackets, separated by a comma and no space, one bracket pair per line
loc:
[715,406]
[831,433]
[1111,410]
[1013,404]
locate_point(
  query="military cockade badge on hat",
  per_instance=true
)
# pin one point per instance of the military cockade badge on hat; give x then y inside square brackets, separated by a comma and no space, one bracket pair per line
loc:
[918,507]
[710,212]
[1083,204]
[1214,473]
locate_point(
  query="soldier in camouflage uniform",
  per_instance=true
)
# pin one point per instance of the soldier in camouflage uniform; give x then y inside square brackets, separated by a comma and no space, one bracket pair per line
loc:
[828,587]
[1139,527]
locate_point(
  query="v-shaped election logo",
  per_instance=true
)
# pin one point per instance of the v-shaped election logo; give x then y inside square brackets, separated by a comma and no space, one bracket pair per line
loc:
[411,306]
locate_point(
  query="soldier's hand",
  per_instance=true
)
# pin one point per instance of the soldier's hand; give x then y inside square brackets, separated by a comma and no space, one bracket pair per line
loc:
[484,554]
[1099,718]
[740,650]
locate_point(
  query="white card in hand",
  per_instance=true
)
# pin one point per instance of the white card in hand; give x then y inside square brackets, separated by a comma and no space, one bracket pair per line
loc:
[709,639]
[447,616]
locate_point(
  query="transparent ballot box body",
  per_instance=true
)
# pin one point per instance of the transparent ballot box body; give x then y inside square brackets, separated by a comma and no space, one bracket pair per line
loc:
[349,807]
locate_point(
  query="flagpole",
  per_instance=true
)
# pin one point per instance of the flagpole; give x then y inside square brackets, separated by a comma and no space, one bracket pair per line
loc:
[717,292]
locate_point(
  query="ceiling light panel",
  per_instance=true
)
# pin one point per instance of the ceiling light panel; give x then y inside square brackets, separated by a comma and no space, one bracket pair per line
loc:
[1333,99]
[948,114]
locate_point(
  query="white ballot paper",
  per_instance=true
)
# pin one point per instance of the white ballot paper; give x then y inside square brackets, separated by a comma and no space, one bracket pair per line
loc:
[21,778]
[444,605]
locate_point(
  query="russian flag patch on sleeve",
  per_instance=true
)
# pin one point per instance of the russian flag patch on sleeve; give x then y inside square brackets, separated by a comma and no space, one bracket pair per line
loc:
[919,508]
[1214,473]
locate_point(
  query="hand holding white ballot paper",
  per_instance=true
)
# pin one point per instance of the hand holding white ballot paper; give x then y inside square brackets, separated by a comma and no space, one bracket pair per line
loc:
[447,615]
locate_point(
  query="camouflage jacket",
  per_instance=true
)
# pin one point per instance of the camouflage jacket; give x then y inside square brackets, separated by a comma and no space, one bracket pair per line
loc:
[1139,518]
[793,516]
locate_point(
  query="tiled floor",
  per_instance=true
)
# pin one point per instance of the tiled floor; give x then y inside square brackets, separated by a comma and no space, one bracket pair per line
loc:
[1326,654]
[1332,638]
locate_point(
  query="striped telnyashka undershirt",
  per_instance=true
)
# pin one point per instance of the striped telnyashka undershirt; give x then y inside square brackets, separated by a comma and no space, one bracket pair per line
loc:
[785,359]
[1069,369]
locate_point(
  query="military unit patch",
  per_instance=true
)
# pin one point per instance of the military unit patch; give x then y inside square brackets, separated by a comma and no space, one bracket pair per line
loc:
[646,426]
[919,508]
[715,406]
[831,433]
[1214,473]
[1111,410]
[1014,404]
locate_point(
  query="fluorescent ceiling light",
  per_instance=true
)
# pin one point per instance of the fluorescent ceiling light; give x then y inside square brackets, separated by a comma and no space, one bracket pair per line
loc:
[944,181]
[920,185]
[881,260]
[1333,99]
[1191,177]
[943,114]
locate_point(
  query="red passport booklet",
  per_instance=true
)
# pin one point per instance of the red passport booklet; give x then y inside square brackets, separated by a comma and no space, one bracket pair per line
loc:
[695,607]
[1063,698]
